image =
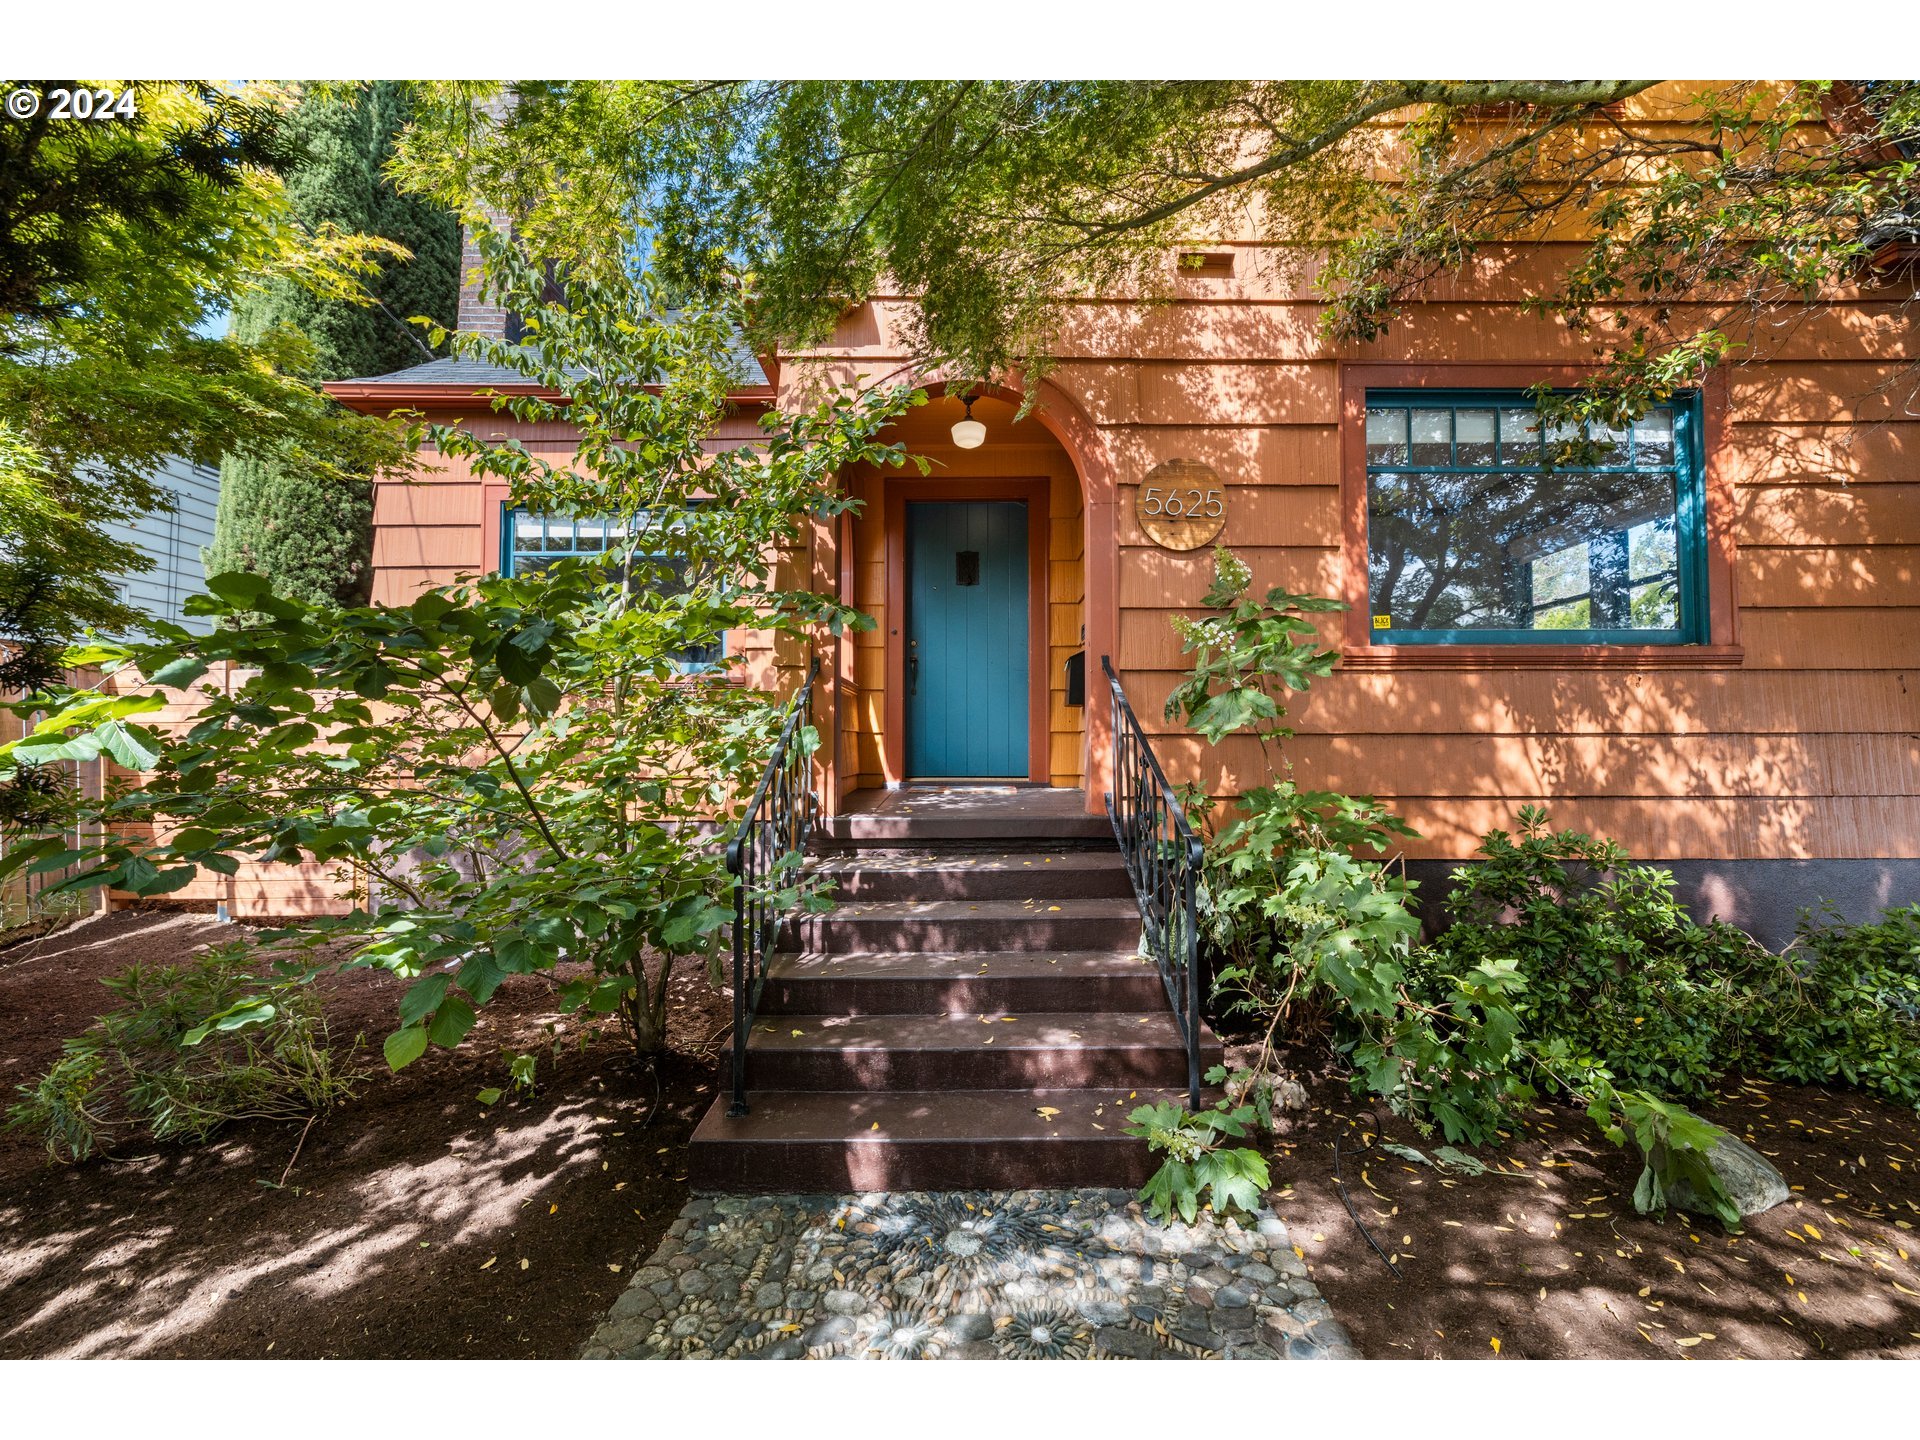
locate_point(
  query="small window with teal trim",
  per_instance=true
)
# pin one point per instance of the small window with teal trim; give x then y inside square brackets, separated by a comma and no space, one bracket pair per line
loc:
[1475,536]
[529,543]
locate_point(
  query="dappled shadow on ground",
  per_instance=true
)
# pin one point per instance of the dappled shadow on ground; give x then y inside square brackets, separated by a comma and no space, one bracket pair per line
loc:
[1546,1256]
[414,1222]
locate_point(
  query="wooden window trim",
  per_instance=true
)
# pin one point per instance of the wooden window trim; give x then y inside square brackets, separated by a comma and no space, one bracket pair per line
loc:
[1721,649]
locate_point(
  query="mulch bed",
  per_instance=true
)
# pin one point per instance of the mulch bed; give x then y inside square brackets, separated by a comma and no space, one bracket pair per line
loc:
[415,1222]
[1545,1257]
[418,1223]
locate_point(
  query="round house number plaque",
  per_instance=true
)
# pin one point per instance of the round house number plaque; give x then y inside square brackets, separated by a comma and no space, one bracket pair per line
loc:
[1181,504]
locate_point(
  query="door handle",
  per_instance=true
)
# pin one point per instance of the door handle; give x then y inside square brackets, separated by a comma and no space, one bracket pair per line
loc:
[913,667]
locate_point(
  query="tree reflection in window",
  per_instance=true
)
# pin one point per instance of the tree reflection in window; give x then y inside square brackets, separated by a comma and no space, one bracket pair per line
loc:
[1473,532]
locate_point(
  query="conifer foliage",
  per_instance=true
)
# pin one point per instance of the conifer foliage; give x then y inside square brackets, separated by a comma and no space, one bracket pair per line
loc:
[312,537]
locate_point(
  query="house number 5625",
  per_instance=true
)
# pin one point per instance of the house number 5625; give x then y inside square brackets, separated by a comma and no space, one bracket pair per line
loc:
[1178,503]
[1181,505]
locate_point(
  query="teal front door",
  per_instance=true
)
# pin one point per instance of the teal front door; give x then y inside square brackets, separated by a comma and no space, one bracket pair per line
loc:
[967,641]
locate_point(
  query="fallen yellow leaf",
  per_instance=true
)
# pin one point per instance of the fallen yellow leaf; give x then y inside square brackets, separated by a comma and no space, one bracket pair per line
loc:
[1495,1342]
[490,1260]
[525,1263]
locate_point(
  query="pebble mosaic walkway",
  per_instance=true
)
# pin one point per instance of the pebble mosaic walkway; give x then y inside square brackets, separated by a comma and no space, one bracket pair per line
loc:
[1019,1275]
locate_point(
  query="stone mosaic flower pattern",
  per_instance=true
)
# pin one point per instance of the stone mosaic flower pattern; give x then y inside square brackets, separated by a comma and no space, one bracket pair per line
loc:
[1044,1332]
[1026,1275]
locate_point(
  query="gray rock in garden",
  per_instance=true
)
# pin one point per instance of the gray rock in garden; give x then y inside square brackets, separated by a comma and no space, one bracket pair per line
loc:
[694,1282]
[1280,1325]
[636,1303]
[974,1325]
[768,1296]
[1253,1271]
[1128,1343]
[828,1330]
[1330,1335]
[791,1348]
[1749,1177]
[622,1334]
[844,1302]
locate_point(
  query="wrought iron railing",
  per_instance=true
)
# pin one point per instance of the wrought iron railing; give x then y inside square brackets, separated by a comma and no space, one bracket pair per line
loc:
[1163,859]
[764,857]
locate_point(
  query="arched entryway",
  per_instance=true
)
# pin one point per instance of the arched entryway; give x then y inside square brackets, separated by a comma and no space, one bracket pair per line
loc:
[985,577]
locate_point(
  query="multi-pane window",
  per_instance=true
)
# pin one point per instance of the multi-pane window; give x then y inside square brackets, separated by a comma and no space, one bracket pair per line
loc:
[533,542]
[1480,528]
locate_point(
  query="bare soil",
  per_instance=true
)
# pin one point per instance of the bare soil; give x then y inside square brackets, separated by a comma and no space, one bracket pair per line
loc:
[415,1222]
[1544,1256]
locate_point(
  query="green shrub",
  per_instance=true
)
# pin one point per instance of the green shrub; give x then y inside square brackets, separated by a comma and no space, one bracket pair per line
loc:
[1612,963]
[1199,1163]
[189,1048]
[1844,1007]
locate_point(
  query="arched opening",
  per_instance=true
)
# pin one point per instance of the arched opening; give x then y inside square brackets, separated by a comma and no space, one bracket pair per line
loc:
[985,578]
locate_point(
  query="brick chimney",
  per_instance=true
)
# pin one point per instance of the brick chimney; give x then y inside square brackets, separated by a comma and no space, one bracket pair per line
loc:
[478,315]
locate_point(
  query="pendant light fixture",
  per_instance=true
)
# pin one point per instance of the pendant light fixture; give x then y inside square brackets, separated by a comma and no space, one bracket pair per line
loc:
[969,434]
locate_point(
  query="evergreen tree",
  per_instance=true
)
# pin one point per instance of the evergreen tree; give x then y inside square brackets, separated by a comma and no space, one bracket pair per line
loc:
[313,537]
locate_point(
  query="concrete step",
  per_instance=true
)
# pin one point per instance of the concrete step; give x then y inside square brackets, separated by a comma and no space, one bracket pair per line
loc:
[921,874]
[1042,1050]
[811,1140]
[953,926]
[885,829]
[1002,981]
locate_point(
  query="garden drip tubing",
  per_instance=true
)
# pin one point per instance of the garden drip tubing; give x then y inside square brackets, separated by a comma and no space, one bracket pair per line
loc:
[1340,1184]
[653,1071]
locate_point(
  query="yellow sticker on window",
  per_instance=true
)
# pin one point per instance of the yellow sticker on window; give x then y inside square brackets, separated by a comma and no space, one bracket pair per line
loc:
[1383,622]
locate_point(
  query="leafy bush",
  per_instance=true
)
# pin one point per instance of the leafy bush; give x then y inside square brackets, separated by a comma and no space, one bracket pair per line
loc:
[1612,963]
[1308,933]
[1844,1007]
[1199,1163]
[189,1048]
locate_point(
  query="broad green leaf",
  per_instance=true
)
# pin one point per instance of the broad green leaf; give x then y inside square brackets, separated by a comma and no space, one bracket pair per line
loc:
[403,1047]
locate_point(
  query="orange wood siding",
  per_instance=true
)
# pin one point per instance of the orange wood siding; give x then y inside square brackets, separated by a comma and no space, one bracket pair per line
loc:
[1801,745]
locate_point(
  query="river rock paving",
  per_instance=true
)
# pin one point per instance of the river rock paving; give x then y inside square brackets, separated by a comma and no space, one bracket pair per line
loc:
[957,1275]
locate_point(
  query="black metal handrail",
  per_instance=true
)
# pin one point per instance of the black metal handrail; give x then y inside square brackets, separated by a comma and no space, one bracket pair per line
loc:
[1163,859]
[772,836]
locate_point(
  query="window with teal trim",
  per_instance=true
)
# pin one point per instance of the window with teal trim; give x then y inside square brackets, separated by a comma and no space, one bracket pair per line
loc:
[1474,534]
[529,543]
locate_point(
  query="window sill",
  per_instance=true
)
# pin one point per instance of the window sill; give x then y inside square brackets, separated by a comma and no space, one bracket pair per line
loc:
[1541,657]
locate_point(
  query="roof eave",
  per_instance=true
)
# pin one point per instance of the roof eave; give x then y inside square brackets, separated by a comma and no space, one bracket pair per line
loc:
[378,399]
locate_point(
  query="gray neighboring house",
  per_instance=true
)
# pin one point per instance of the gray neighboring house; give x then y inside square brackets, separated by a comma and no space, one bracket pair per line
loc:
[174,541]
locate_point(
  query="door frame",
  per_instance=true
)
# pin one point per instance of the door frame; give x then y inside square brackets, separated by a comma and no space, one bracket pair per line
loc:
[1037,494]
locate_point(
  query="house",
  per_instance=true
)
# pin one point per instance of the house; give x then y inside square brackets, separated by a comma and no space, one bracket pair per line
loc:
[174,541]
[1702,646]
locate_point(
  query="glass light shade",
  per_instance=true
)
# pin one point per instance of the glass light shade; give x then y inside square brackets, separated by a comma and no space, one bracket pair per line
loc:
[969,434]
